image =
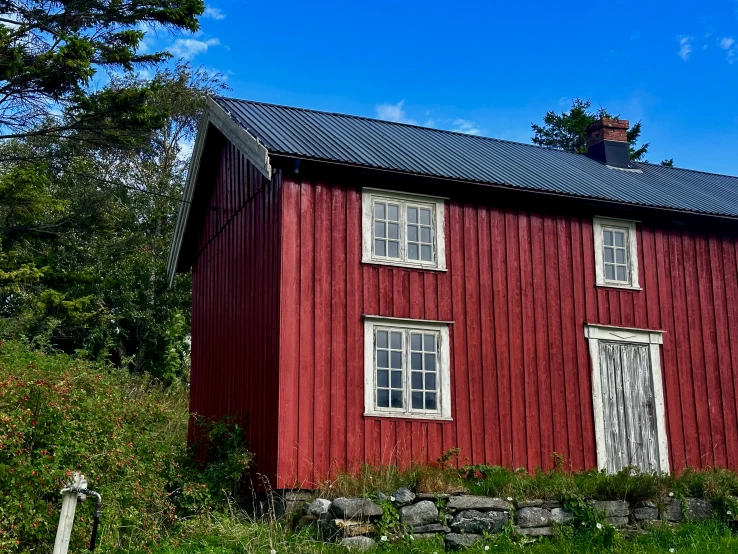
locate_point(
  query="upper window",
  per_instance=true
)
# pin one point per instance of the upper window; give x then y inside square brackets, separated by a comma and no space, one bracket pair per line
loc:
[403,229]
[616,253]
[406,368]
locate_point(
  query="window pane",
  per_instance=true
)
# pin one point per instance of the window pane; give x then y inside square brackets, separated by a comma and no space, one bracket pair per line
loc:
[396,398]
[397,379]
[412,233]
[379,210]
[382,358]
[383,398]
[396,360]
[620,256]
[610,272]
[393,212]
[418,400]
[430,362]
[425,216]
[412,251]
[379,229]
[430,381]
[619,239]
[381,339]
[429,343]
[417,380]
[412,215]
[622,274]
[430,400]
[608,255]
[379,248]
[425,253]
[394,249]
[393,230]
[382,378]
[415,342]
[416,361]
[425,234]
[397,340]
[607,236]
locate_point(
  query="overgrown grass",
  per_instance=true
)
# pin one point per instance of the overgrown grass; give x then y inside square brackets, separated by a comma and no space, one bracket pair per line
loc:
[228,534]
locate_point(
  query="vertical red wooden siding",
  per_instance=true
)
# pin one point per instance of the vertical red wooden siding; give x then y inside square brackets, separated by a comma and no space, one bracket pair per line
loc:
[519,288]
[235,306]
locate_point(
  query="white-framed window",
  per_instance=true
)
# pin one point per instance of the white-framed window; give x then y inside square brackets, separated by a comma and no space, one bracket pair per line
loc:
[616,253]
[403,229]
[628,398]
[406,368]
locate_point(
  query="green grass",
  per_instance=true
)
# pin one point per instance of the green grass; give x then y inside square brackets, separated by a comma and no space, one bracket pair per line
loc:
[226,535]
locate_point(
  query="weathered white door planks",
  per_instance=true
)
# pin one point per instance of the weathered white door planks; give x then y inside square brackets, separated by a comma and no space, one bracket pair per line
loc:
[628,407]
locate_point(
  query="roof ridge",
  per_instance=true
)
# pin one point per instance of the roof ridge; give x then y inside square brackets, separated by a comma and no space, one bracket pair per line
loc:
[397,123]
[668,167]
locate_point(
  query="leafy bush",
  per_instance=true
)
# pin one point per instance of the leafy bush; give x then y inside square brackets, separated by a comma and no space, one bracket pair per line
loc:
[125,434]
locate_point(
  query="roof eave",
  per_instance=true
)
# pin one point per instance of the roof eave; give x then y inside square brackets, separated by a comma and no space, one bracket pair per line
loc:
[246,143]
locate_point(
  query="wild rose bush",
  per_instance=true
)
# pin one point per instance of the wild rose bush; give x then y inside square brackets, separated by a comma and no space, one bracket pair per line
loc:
[125,434]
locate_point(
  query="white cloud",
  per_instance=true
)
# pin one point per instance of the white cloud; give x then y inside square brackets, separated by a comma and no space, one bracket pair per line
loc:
[393,112]
[213,13]
[467,127]
[685,46]
[188,48]
[726,43]
[729,45]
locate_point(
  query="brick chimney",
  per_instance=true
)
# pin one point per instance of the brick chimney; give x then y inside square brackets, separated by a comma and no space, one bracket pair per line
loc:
[607,142]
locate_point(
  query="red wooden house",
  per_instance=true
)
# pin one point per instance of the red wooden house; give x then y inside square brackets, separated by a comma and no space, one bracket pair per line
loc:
[373,292]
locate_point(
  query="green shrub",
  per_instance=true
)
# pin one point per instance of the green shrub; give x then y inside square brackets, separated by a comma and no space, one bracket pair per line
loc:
[126,434]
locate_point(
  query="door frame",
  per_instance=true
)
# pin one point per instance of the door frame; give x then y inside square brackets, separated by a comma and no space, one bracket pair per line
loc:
[594,333]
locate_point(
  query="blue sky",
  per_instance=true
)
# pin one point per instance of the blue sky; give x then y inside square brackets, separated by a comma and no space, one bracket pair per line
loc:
[490,68]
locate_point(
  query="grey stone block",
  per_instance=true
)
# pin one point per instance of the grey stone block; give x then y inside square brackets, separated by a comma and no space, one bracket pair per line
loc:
[358,543]
[431,528]
[672,511]
[646,511]
[480,503]
[535,531]
[698,509]
[617,521]
[535,503]
[612,508]
[533,517]
[355,508]
[422,513]
[319,506]
[456,541]
[403,496]
[561,516]
[473,521]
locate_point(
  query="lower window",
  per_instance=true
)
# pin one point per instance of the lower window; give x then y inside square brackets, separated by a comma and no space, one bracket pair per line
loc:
[406,368]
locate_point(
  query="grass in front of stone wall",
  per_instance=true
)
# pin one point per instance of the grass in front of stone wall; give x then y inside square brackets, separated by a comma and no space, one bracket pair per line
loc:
[237,534]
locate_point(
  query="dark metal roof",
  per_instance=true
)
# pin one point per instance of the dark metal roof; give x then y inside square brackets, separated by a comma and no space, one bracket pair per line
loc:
[416,150]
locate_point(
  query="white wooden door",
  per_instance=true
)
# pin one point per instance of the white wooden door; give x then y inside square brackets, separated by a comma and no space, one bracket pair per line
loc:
[628,407]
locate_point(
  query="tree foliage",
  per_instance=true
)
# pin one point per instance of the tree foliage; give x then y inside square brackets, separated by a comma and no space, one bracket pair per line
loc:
[84,237]
[567,130]
[52,50]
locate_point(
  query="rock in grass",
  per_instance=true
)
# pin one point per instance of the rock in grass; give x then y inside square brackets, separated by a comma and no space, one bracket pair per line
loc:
[430,529]
[612,508]
[647,511]
[355,508]
[456,541]
[473,521]
[535,531]
[358,543]
[403,496]
[319,506]
[697,509]
[533,517]
[479,503]
[617,521]
[561,516]
[422,513]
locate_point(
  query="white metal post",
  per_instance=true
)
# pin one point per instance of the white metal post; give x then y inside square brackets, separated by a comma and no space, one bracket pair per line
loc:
[66,518]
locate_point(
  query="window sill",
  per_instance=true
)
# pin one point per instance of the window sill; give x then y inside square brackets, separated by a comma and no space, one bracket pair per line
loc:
[403,265]
[406,416]
[619,287]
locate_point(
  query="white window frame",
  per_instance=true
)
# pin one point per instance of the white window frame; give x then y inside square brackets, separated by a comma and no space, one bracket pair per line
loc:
[435,203]
[600,224]
[443,375]
[596,333]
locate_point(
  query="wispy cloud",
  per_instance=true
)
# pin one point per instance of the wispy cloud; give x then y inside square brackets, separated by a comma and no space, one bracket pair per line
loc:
[685,46]
[213,13]
[731,49]
[466,126]
[188,48]
[393,112]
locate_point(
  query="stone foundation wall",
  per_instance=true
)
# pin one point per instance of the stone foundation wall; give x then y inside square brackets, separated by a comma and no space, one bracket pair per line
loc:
[463,518]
